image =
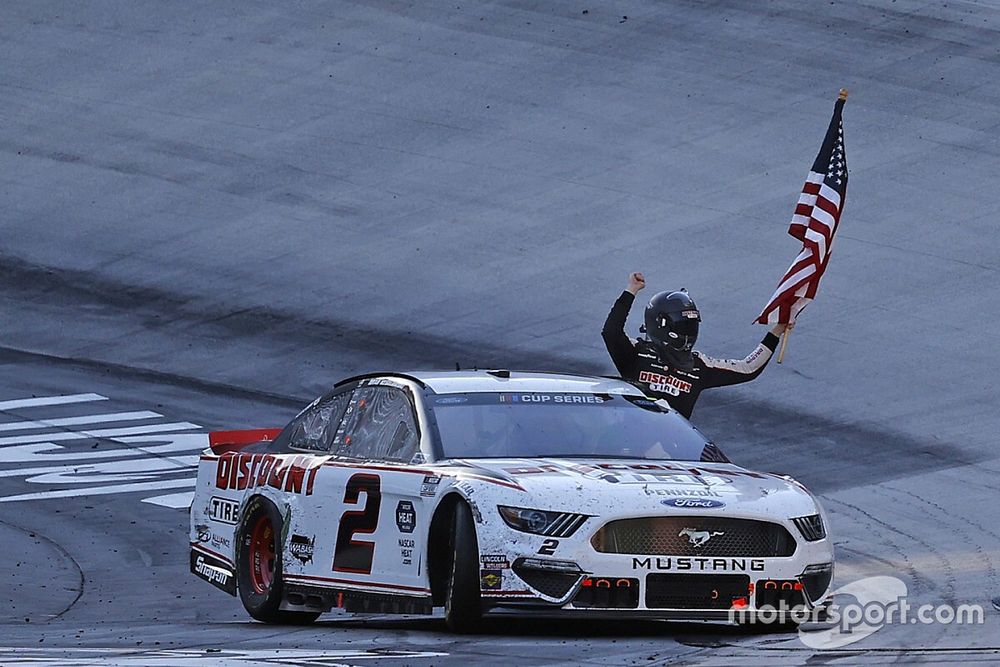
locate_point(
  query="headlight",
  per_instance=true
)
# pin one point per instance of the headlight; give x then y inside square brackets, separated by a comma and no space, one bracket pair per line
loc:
[542,522]
[811,527]
[816,580]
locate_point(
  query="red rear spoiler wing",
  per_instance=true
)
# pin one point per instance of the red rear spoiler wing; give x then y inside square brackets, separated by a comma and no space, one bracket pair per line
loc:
[231,441]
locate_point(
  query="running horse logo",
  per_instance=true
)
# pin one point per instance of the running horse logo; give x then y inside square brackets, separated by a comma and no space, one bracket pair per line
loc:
[698,537]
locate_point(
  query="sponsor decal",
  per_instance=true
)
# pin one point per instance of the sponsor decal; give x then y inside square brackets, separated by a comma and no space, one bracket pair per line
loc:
[206,536]
[494,562]
[406,516]
[665,384]
[224,510]
[696,564]
[698,538]
[693,503]
[685,493]
[490,580]
[221,542]
[450,400]
[553,398]
[406,546]
[214,571]
[294,474]
[548,547]
[302,548]
[429,488]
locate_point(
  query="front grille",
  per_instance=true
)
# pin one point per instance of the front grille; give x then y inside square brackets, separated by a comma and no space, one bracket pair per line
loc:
[811,527]
[554,584]
[608,593]
[781,594]
[694,536]
[695,591]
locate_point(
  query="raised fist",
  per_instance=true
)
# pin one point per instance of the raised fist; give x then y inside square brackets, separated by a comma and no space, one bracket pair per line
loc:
[636,282]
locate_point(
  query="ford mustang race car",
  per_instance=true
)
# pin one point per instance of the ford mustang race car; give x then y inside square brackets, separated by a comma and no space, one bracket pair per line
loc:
[493,492]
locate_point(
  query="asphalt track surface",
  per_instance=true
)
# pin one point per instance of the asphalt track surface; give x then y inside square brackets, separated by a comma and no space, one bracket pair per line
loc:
[213,211]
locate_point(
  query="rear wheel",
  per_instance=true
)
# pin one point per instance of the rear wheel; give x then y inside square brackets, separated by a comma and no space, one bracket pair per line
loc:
[258,565]
[462,606]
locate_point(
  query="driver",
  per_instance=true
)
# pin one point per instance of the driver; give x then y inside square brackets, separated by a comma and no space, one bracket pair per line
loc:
[664,363]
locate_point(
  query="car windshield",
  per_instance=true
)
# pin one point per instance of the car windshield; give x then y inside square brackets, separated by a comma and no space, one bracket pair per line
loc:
[534,424]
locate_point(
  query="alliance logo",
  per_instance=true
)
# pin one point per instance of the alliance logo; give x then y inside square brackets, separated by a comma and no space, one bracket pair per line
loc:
[698,538]
[693,503]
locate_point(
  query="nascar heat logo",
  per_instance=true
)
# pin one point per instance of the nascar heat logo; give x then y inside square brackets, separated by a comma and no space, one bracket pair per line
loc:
[664,384]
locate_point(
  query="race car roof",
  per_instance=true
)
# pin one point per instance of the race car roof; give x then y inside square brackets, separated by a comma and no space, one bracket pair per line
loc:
[455,382]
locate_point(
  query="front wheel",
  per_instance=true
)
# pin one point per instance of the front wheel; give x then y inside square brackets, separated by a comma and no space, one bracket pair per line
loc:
[463,607]
[258,565]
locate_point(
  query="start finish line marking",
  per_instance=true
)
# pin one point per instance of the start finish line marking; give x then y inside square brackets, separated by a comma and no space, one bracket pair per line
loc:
[143,457]
[117,657]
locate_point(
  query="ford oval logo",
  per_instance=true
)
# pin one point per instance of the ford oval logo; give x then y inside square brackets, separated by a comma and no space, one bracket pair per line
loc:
[693,503]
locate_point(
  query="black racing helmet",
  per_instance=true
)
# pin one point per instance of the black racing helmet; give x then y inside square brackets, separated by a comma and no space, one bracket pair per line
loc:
[672,321]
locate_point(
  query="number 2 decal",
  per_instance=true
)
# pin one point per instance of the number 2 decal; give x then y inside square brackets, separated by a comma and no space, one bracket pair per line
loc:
[352,555]
[548,547]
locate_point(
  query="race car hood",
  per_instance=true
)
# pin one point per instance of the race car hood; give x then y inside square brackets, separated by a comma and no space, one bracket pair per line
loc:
[647,487]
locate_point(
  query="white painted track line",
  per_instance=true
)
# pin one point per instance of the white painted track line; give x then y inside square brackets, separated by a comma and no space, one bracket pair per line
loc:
[176,501]
[97,433]
[50,400]
[76,421]
[102,490]
[47,452]
[126,466]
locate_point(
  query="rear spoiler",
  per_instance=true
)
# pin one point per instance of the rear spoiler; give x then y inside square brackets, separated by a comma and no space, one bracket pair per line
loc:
[231,441]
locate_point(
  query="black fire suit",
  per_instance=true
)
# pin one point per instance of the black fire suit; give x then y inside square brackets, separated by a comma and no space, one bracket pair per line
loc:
[638,361]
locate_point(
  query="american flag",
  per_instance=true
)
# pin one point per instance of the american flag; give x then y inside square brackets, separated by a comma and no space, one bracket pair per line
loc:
[814,222]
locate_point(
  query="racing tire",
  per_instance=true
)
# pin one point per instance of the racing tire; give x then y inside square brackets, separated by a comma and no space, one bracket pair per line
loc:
[463,611]
[258,565]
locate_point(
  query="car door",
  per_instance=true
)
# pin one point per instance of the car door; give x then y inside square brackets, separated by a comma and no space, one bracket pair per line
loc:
[378,532]
[362,526]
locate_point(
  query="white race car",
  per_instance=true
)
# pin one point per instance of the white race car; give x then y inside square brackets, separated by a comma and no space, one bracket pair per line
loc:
[494,492]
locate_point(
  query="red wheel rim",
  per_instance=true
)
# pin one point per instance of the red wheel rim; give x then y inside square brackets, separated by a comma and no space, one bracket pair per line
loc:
[262,555]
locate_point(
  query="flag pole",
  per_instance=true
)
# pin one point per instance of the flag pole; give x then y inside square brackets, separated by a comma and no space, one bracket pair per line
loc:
[784,344]
[842,96]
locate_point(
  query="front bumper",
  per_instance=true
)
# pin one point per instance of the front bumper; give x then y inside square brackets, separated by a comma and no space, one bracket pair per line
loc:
[586,583]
